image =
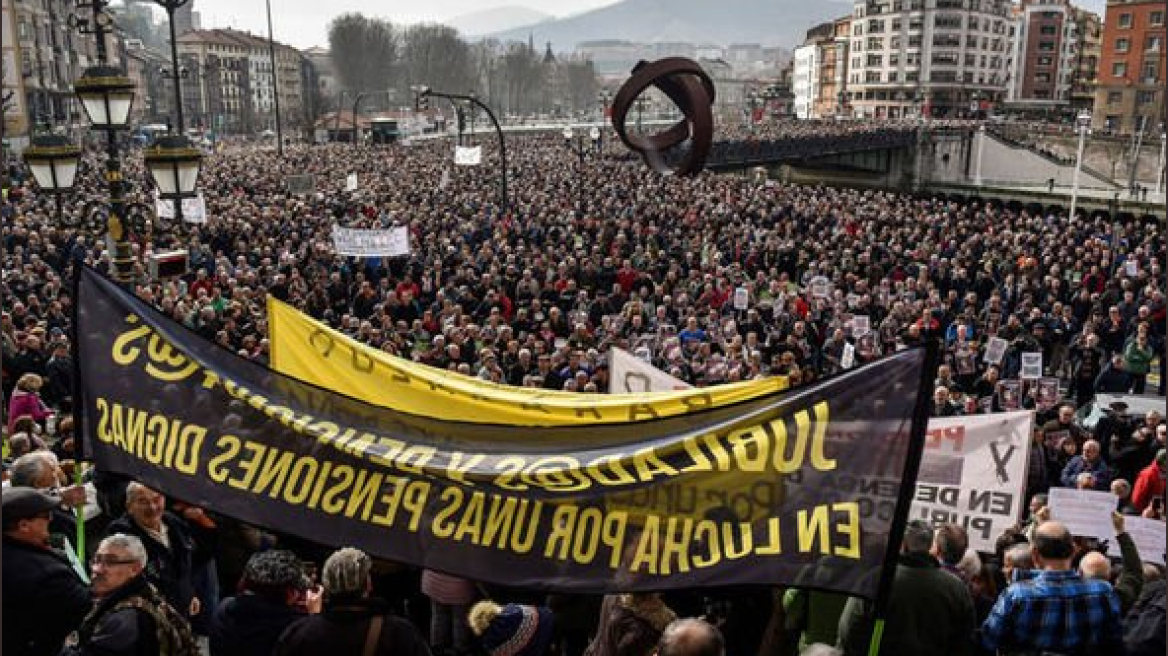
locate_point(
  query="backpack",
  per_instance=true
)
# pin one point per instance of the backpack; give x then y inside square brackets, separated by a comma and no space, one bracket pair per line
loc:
[173,631]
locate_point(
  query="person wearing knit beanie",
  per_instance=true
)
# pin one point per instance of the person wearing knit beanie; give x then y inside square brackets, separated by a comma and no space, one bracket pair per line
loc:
[511,630]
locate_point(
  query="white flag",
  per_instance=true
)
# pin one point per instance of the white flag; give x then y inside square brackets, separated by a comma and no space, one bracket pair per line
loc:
[351,182]
[631,375]
[464,156]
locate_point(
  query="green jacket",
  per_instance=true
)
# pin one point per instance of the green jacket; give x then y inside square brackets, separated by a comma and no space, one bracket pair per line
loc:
[1131,581]
[930,612]
[1137,360]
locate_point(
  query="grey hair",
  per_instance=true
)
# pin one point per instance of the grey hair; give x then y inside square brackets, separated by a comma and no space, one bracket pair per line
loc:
[28,468]
[133,489]
[691,637]
[131,544]
[1018,557]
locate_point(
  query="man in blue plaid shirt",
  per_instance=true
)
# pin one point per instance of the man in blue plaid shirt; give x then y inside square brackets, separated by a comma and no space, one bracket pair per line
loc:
[1052,609]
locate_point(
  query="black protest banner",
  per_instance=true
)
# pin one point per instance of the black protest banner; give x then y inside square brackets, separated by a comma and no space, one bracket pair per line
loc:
[738,494]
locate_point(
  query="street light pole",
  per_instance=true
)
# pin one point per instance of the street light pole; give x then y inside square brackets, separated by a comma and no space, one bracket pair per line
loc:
[981,136]
[1084,122]
[275,82]
[1160,164]
[420,97]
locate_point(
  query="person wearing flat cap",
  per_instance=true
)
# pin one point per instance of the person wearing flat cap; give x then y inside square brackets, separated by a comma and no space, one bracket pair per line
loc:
[45,597]
[273,593]
[511,630]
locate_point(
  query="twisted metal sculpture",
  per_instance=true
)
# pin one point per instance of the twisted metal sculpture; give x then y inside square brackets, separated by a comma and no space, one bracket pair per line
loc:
[689,87]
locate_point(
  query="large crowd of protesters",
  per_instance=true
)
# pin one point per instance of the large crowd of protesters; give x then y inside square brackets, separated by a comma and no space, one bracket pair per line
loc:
[713,279]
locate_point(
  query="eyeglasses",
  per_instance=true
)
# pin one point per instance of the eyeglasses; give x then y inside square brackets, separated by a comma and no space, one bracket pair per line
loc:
[110,561]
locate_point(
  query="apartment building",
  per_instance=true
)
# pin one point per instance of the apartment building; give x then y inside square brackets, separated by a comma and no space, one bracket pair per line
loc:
[1129,94]
[43,54]
[942,58]
[1089,26]
[1043,56]
[230,82]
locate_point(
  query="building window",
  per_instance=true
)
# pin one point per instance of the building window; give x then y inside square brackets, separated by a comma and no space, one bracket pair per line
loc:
[1122,45]
[1151,72]
[1156,19]
[1145,97]
[1047,30]
[1042,77]
[1118,69]
[1153,43]
[1125,21]
[1045,61]
[1046,46]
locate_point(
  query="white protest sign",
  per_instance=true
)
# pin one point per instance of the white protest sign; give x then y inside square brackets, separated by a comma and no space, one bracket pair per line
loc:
[995,350]
[466,156]
[194,210]
[973,473]
[1131,268]
[820,287]
[445,179]
[351,182]
[371,243]
[1031,366]
[848,358]
[631,375]
[741,298]
[1085,512]
[861,325]
[1148,536]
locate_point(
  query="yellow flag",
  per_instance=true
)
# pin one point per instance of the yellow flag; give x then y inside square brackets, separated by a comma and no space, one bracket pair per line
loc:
[304,348]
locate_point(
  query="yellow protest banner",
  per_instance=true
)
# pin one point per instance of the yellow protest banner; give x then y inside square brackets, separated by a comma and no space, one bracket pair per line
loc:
[308,350]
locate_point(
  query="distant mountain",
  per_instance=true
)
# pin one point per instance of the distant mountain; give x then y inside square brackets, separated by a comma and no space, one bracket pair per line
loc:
[496,19]
[768,22]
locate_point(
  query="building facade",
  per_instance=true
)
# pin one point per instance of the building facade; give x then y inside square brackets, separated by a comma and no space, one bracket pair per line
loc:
[230,84]
[805,80]
[1043,56]
[941,58]
[1129,94]
[1090,28]
[43,54]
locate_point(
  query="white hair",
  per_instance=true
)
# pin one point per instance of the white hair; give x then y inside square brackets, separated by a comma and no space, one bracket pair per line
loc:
[130,544]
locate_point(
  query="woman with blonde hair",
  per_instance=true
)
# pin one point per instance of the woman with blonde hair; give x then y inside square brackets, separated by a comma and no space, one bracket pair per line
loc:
[26,400]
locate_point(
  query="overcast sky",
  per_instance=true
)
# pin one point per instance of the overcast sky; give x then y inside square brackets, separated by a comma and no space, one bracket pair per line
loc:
[304,23]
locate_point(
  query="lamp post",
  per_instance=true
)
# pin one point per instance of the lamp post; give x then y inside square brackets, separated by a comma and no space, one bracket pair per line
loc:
[577,144]
[165,152]
[981,135]
[53,160]
[603,97]
[1160,164]
[421,100]
[1083,125]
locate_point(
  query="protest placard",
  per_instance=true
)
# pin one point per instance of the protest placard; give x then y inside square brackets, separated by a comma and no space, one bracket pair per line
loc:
[973,473]
[1148,536]
[995,350]
[1031,366]
[1084,512]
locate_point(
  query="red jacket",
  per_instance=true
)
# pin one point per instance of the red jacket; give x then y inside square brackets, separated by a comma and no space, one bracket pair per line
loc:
[1149,485]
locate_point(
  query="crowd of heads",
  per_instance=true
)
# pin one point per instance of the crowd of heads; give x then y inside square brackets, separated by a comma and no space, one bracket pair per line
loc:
[713,279]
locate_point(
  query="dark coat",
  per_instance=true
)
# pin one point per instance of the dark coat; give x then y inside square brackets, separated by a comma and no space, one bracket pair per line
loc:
[930,612]
[169,569]
[121,631]
[249,625]
[341,629]
[45,599]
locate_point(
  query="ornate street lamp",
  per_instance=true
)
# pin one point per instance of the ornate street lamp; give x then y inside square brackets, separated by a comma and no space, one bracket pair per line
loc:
[53,160]
[174,165]
[107,96]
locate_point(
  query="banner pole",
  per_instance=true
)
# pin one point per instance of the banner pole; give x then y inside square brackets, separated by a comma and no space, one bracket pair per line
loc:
[79,424]
[908,485]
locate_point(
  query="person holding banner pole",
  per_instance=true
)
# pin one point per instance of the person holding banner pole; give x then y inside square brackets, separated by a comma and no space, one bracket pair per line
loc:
[932,610]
